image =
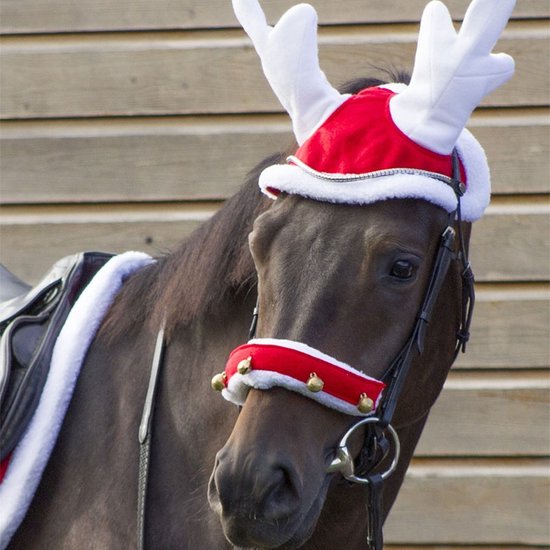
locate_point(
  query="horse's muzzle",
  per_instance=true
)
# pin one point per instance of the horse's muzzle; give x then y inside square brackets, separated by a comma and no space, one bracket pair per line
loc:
[258,501]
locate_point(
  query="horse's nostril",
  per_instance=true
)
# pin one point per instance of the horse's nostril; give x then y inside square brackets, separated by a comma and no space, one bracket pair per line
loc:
[267,491]
[281,494]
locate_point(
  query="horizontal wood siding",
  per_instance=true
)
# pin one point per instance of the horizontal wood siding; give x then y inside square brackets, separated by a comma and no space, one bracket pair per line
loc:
[197,158]
[126,124]
[523,230]
[111,76]
[487,502]
[486,415]
[41,16]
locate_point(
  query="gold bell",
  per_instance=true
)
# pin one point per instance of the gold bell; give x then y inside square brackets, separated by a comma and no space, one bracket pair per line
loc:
[314,383]
[219,381]
[366,404]
[245,366]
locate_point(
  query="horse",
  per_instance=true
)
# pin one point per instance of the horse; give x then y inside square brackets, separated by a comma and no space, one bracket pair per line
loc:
[357,281]
[328,290]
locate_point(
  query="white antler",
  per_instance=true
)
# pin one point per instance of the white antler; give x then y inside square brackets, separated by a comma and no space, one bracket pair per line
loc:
[288,52]
[452,72]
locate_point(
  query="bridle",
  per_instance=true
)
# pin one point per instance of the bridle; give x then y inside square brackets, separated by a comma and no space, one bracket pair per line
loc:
[377,445]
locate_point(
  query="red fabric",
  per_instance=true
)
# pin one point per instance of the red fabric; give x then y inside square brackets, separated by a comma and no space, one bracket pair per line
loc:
[4,467]
[338,382]
[361,137]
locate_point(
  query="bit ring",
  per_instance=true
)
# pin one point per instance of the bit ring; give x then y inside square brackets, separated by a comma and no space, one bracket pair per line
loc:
[343,462]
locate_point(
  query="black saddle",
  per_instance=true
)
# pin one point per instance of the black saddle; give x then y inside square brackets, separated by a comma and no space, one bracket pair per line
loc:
[30,321]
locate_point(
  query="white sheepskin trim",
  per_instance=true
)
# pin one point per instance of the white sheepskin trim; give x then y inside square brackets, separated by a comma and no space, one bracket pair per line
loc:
[239,385]
[478,194]
[33,451]
[292,179]
[396,87]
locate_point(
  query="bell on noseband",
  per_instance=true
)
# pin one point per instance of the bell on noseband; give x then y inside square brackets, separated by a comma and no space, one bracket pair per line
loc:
[314,383]
[245,366]
[219,381]
[366,404]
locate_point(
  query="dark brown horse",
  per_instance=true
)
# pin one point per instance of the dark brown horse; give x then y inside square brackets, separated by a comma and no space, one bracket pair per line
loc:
[346,279]
[366,281]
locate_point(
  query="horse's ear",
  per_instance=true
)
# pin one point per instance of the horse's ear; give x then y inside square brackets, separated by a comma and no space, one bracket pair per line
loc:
[452,72]
[288,52]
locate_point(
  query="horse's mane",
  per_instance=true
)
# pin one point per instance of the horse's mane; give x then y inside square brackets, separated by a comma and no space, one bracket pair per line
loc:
[209,267]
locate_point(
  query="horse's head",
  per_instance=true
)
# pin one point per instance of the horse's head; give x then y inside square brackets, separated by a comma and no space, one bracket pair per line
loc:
[353,263]
[348,280]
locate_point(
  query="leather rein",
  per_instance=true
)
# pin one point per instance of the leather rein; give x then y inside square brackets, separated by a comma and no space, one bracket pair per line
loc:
[377,445]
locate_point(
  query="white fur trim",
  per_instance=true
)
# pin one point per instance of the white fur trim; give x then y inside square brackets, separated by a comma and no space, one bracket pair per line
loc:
[395,87]
[33,451]
[478,194]
[292,179]
[239,385]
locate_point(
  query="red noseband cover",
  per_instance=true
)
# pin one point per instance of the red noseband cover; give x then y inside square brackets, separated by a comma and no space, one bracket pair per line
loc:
[297,367]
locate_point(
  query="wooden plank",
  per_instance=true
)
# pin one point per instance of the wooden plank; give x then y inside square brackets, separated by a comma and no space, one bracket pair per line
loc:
[518,149]
[189,73]
[490,415]
[30,244]
[510,329]
[89,15]
[461,503]
[196,158]
[512,242]
[105,161]
[509,243]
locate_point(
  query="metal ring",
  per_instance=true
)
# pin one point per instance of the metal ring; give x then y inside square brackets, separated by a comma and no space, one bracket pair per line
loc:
[343,462]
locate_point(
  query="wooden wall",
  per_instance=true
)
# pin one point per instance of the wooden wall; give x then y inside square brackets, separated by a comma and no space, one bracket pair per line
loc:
[125,124]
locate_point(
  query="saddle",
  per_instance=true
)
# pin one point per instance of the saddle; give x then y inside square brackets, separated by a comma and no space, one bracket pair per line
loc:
[30,321]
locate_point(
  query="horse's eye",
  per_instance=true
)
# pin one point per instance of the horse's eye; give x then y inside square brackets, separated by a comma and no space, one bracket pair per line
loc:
[402,269]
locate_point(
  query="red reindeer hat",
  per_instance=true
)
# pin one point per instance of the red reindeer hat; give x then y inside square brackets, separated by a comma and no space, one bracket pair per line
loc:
[394,141]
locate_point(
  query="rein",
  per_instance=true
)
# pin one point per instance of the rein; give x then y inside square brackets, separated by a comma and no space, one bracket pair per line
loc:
[145,435]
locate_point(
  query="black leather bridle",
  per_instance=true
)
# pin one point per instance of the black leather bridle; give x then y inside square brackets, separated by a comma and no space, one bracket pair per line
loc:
[377,444]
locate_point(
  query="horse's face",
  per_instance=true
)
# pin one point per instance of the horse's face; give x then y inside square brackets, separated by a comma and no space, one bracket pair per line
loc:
[347,280]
